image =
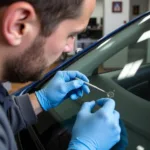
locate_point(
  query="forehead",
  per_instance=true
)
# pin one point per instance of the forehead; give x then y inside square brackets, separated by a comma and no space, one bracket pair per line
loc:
[88,7]
[78,24]
[86,11]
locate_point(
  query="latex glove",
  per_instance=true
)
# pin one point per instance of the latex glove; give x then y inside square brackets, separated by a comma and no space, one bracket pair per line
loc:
[62,86]
[123,143]
[96,131]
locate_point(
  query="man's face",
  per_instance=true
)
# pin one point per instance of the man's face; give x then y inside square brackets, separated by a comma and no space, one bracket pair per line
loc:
[31,64]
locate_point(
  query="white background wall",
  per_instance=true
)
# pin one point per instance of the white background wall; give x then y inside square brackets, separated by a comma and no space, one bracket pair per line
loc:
[111,22]
[149,4]
[143,6]
[98,12]
[114,20]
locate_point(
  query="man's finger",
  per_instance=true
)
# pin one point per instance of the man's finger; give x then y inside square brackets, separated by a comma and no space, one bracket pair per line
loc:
[87,107]
[75,74]
[107,104]
[86,89]
[73,85]
[117,116]
[79,92]
[74,96]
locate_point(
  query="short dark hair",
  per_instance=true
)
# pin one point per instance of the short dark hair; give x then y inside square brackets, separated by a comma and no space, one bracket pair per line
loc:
[51,12]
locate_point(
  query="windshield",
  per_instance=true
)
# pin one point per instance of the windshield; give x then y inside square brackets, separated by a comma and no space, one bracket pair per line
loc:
[130,45]
[119,64]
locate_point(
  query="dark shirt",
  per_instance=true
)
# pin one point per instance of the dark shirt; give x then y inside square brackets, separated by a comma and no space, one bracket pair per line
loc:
[16,113]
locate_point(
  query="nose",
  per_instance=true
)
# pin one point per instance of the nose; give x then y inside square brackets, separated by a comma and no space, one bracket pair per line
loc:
[70,45]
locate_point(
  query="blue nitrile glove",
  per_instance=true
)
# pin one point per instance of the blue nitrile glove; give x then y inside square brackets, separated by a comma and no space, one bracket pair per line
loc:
[63,85]
[96,131]
[123,143]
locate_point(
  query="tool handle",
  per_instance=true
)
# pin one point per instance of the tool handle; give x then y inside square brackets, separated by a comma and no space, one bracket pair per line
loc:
[93,86]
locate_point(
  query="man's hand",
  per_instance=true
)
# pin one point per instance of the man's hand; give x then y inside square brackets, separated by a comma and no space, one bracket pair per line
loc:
[96,131]
[62,86]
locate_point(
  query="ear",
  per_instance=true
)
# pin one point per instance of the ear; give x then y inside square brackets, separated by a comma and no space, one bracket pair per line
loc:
[18,20]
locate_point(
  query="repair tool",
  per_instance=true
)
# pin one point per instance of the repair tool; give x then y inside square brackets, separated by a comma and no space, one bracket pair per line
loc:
[109,94]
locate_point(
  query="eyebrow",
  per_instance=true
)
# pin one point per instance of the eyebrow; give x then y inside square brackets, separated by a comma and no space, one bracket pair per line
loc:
[77,32]
[83,30]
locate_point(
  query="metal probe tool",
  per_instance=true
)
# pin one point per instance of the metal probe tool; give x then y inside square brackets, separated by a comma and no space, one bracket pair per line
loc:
[109,94]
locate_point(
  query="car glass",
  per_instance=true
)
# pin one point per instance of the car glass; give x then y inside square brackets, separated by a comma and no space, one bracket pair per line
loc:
[121,65]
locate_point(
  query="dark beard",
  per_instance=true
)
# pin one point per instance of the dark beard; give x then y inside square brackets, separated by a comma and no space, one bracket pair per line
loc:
[29,66]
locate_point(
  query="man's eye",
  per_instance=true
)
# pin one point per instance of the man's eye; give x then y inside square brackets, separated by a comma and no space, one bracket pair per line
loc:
[72,36]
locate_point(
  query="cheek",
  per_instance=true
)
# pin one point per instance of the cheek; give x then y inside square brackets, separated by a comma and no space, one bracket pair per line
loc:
[55,47]
[53,50]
